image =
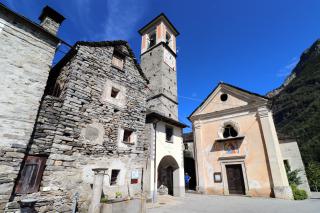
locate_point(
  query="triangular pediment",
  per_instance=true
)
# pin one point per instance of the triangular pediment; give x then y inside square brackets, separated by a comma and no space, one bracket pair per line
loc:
[225,97]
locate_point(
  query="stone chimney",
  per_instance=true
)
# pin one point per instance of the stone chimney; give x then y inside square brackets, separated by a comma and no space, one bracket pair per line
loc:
[50,20]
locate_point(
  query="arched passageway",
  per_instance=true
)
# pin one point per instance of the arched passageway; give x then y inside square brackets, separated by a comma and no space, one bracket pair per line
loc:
[168,174]
[189,167]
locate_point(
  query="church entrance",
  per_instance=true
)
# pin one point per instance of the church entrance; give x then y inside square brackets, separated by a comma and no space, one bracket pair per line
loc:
[235,179]
[168,173]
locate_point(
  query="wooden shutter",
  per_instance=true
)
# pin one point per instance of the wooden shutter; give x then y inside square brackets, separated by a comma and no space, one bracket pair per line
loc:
[31,175]
[117,61]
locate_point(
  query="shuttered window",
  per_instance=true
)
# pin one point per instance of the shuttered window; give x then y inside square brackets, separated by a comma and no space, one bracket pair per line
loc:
[118,61]
[127,136]
[31,175]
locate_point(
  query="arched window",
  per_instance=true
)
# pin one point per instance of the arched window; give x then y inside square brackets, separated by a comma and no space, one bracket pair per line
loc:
[229,131]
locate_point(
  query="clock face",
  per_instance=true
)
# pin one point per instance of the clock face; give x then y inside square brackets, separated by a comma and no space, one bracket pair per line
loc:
[169,59]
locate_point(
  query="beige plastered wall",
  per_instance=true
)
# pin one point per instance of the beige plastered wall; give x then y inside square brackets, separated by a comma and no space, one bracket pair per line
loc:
[211,156]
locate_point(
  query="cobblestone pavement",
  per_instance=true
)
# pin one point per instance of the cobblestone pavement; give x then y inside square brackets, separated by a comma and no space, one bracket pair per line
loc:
[231,204]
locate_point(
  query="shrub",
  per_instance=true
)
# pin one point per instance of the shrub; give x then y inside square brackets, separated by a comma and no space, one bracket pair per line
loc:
[298,194]
[293,177]
[104,199]
[118,195]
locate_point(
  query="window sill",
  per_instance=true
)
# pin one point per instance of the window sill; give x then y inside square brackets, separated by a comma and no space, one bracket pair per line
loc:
[229,139]
[126,143]
[169,141]
[118,68]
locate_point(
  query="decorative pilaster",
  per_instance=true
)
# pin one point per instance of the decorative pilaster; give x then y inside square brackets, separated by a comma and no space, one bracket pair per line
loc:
[199,161]
[281,186]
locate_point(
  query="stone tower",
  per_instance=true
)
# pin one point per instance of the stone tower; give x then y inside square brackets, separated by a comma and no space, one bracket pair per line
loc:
[158,61]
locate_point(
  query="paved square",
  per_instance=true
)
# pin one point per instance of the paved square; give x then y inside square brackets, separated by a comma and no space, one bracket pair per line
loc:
[231,204]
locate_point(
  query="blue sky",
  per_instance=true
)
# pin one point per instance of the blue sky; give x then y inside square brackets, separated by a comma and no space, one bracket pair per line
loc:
[252,44]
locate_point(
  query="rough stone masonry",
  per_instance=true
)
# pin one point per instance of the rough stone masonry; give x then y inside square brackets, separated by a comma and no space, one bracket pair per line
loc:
[84,127]
[26,53]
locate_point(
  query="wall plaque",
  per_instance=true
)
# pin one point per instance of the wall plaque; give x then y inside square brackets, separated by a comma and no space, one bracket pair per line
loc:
[217,177]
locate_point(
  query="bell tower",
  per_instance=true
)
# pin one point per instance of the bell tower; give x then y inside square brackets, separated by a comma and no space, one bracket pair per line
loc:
[158,62]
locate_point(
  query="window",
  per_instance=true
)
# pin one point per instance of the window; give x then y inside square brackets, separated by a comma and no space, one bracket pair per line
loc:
[127,136]
[118,60]
[56,90]
[229,131]
[168,38]
[286,165]
[31,175]
[114,92]
[152,39]
[224,97]
[169,133]
[114,176]
[186,146]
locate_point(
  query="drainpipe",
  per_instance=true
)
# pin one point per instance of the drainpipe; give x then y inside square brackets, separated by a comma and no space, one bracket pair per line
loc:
[155,162]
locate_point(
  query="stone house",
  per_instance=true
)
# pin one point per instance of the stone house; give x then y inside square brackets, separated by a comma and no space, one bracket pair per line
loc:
[26,53]
[98,123]
[237,150]
[92,116]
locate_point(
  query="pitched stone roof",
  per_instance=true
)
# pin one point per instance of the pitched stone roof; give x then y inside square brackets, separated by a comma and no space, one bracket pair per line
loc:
[152,116]
[115,43]
[55,71]
[31,23]
[187,137]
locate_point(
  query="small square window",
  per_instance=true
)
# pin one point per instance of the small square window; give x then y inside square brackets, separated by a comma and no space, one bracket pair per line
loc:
[127,136]
[169,133]
[118,61]
[114,92]
[114,176]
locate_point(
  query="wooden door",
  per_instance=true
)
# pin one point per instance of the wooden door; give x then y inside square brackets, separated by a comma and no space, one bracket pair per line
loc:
[170,180]
[235,179]
[31,175]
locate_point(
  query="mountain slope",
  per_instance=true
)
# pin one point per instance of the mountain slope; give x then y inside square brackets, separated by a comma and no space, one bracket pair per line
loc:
[296,104]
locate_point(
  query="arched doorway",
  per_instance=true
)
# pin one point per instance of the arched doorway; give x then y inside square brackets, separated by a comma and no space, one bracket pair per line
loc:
[168,174]
[189,167]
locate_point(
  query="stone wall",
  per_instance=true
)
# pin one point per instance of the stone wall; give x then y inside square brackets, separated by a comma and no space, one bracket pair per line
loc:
[26,53]
[84,130]
[163,82]
[291,153]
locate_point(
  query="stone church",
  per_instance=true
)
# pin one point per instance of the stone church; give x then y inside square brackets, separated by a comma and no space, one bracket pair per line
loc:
[96,125]
[236,147]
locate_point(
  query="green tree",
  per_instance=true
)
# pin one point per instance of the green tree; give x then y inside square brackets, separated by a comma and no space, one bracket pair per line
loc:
[313,173]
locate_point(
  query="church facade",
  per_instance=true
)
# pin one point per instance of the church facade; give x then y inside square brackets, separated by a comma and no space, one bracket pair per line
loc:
[236,146]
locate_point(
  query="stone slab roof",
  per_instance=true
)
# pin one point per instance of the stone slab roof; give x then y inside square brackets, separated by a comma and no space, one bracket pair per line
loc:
[187,137]
[154,116]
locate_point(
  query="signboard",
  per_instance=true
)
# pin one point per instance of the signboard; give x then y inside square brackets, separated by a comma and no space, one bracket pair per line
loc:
[217,177]
[134,176]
